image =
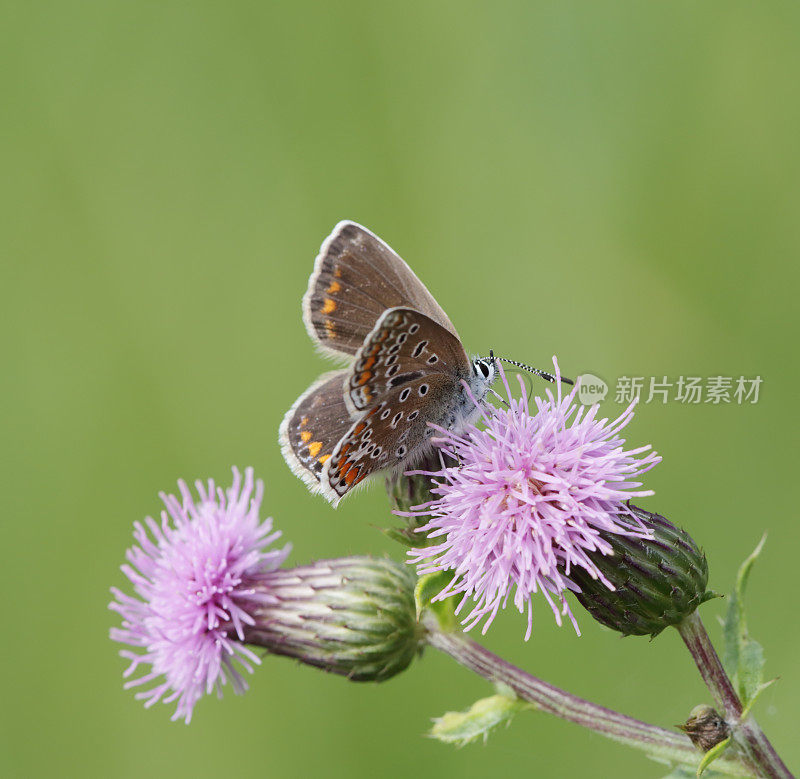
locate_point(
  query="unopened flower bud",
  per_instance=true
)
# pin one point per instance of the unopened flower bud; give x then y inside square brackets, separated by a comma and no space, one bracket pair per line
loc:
[353,616]
[657,581]
[409,490]
[705,727]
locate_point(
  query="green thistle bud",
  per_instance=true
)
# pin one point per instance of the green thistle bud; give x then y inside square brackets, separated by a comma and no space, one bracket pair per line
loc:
[658,581]
[353,616]
[407,492]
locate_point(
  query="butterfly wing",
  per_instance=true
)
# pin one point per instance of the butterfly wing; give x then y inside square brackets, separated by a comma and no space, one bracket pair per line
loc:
[313,426]
[393,432]
[404,345]
[356,278]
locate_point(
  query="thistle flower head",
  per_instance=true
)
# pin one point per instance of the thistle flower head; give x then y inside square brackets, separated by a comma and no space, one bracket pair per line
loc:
[525,502]
[197,577]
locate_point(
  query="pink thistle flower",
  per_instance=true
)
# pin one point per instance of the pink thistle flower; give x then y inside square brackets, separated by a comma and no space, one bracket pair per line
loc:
[527,501]
[197,575]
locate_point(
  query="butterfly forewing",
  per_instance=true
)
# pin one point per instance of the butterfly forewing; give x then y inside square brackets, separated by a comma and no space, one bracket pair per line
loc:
[356,278]
[404,345]
[394,431]
[313,426]
[408,368]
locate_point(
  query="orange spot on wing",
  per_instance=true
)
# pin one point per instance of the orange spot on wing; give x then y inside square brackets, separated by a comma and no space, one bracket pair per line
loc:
[303,421]
[364,378]
[324,459]
[306,435]
[334,287]
[351,476]
[314,448]
[359,428]
[369,363]
[328,306]
[330,329]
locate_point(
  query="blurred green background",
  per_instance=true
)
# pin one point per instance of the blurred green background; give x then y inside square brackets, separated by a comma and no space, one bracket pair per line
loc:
[614,183]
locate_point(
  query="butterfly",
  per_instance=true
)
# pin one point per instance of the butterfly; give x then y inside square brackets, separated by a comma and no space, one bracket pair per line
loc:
[407,368]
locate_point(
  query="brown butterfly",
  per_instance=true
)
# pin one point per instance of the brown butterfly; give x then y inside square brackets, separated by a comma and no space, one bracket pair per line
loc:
[407,368]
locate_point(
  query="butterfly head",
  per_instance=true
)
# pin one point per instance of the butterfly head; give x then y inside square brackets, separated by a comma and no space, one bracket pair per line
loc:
[484,371]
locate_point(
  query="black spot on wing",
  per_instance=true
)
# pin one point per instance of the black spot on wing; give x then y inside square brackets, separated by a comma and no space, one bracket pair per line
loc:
[396,381]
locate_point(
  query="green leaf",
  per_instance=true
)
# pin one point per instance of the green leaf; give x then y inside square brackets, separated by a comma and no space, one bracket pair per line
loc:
[757,692]
[747,566]
[744,657]
[464,727]
[400,535]
[751,669]
[730,636]
[712,754]
[426,589]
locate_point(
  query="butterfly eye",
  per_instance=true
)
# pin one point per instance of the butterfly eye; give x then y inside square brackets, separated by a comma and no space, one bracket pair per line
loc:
[483,368]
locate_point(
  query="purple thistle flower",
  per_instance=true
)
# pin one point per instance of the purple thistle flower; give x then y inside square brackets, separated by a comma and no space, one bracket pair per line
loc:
[197,575]
[527,501]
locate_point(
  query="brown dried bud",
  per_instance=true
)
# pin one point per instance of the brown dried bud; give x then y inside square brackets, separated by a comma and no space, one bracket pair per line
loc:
[705,727]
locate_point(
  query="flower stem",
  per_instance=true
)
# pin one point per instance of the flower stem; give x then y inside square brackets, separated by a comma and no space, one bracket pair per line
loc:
[658,742]
[761,753]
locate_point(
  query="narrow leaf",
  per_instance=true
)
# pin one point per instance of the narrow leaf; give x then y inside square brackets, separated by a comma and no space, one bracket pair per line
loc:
[758,692]
[464,727]
[402,536]
[426,589]
[712,754]
[730,634]
[744,657]
[747,566]
[751,668]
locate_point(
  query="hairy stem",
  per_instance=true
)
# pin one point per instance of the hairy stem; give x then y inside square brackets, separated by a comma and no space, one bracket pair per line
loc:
[656,741]
[761,753]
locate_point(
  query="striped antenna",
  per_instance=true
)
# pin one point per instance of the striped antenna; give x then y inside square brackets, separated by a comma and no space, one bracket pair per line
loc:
[536,371]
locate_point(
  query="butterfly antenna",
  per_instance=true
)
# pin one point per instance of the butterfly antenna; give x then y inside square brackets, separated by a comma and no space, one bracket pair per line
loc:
[536,371]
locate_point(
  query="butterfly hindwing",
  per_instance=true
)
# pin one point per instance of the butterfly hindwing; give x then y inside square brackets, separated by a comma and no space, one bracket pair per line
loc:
[313,426]
[356,278]
[405,344]
[393,432]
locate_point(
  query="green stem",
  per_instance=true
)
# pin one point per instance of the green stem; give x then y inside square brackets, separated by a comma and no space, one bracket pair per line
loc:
[656,741]
[762,755]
